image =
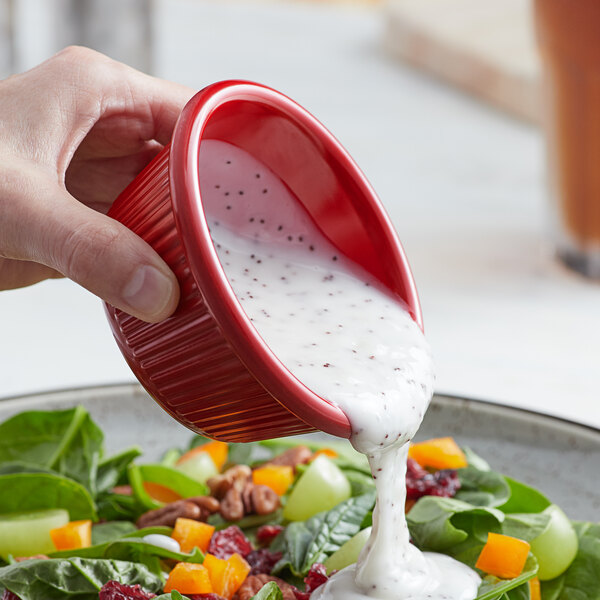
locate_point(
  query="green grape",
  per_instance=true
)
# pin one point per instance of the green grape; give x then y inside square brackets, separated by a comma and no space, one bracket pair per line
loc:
[348,553]
[321,487]
[556,547]
[200,467]
[28,533]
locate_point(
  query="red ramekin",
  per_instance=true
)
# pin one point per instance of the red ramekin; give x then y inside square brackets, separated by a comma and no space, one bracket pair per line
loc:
[206,365]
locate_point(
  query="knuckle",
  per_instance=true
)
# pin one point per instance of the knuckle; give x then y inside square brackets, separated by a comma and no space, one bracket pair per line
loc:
[87,248]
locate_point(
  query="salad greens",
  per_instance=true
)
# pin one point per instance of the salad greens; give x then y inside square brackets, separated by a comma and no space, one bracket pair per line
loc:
[56,460]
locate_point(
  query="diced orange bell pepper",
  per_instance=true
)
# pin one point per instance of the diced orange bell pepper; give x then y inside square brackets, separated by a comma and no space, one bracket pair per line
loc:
[328,452]
[73,535]
[215,449]
[535,590]
[503,556]
[189,578]
[191,534]
[161,493]
[277,477]
[438,453]
[226,576]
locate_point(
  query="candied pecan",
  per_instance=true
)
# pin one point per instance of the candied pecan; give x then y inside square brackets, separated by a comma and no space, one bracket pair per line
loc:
[232,505]
[236,477]
[254,583]
[298,455]
[207,503]
[247,498]
[167,515]
[264,500]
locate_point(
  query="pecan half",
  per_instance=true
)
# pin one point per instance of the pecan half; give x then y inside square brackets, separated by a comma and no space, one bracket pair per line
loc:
[298,455]
[254,583]
[167,515]
[236,477]
[232,506]
[207,504]
[264,500]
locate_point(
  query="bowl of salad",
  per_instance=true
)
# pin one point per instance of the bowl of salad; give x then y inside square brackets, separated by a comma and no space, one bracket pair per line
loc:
[102,495]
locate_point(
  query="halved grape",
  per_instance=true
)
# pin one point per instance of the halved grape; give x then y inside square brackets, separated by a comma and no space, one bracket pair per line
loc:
[556,547]
[200,467]
[347,553]
[28,533]
[320,487]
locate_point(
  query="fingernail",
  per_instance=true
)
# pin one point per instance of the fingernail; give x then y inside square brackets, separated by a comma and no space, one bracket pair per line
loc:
[148,291]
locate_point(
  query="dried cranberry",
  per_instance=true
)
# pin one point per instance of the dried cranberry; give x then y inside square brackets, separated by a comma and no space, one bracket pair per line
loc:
[420,482]
[316,576]
[228,541]
[113,590]
[8,595]
[267,533]
[262,561]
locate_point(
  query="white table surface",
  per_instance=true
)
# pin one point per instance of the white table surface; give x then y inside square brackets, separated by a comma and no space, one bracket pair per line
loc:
[463,184]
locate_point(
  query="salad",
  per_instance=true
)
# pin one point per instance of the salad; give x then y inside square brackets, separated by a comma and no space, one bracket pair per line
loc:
[268,520]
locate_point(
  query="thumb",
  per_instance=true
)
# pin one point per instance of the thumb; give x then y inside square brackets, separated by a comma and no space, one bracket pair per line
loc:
[109,260]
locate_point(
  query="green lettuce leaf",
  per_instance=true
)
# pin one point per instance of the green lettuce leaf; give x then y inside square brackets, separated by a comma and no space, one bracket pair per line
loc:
[492,588]
[37,491]
[523,498]
[482,488]
[306,542]
[75,578]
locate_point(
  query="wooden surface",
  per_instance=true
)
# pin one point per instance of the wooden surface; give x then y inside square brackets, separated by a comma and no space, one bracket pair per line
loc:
[486,47]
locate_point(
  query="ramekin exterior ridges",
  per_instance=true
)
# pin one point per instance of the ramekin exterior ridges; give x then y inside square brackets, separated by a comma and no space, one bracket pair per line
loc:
[185,362]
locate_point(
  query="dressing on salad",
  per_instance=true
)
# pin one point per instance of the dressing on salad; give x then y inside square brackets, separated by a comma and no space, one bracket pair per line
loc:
[347,340]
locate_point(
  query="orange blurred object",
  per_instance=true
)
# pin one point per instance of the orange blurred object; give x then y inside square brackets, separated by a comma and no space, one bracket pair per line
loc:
[73,535]
[215,449]
[192,534]
[161,493]
[226,576]
[438,453]
[328,452]
[535,589]
[277,477]
[503,556]
[569,41]
[189,578]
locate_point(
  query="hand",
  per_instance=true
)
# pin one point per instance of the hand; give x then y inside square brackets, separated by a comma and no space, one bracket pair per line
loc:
[74,131]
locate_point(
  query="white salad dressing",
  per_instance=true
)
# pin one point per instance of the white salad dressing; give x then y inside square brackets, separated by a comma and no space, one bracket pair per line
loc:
[346,339]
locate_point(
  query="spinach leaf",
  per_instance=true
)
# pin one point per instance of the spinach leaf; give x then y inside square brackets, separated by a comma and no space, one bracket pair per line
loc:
[107,532]
[115,507]
[360,483]
[174,595]
[79,459]
[135,549]
[75,578]
[475,460]
[169,477]
[270,591]
[482,488]
[492,587]
[306,542]
[443,524]
[581,581]
[248,454]
[14,467]
[37,491]
[111,470]
[525,526]
[67,441]
[523,498]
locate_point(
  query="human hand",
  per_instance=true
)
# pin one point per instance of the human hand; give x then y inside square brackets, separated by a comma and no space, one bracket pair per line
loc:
[74,131]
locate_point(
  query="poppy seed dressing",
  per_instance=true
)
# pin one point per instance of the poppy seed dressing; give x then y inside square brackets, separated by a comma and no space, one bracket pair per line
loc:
[346,338]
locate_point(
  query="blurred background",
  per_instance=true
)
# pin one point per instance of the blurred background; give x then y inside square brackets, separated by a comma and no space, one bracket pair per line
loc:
[439,102]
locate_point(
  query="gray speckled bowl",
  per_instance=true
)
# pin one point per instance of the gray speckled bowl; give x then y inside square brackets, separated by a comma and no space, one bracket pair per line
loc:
[558,457]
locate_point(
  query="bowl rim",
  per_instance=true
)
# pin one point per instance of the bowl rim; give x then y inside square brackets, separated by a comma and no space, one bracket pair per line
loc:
[130,387]
[206,268]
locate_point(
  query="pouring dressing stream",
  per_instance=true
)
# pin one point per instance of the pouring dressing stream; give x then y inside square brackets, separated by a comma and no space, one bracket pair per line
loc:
[348,340]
